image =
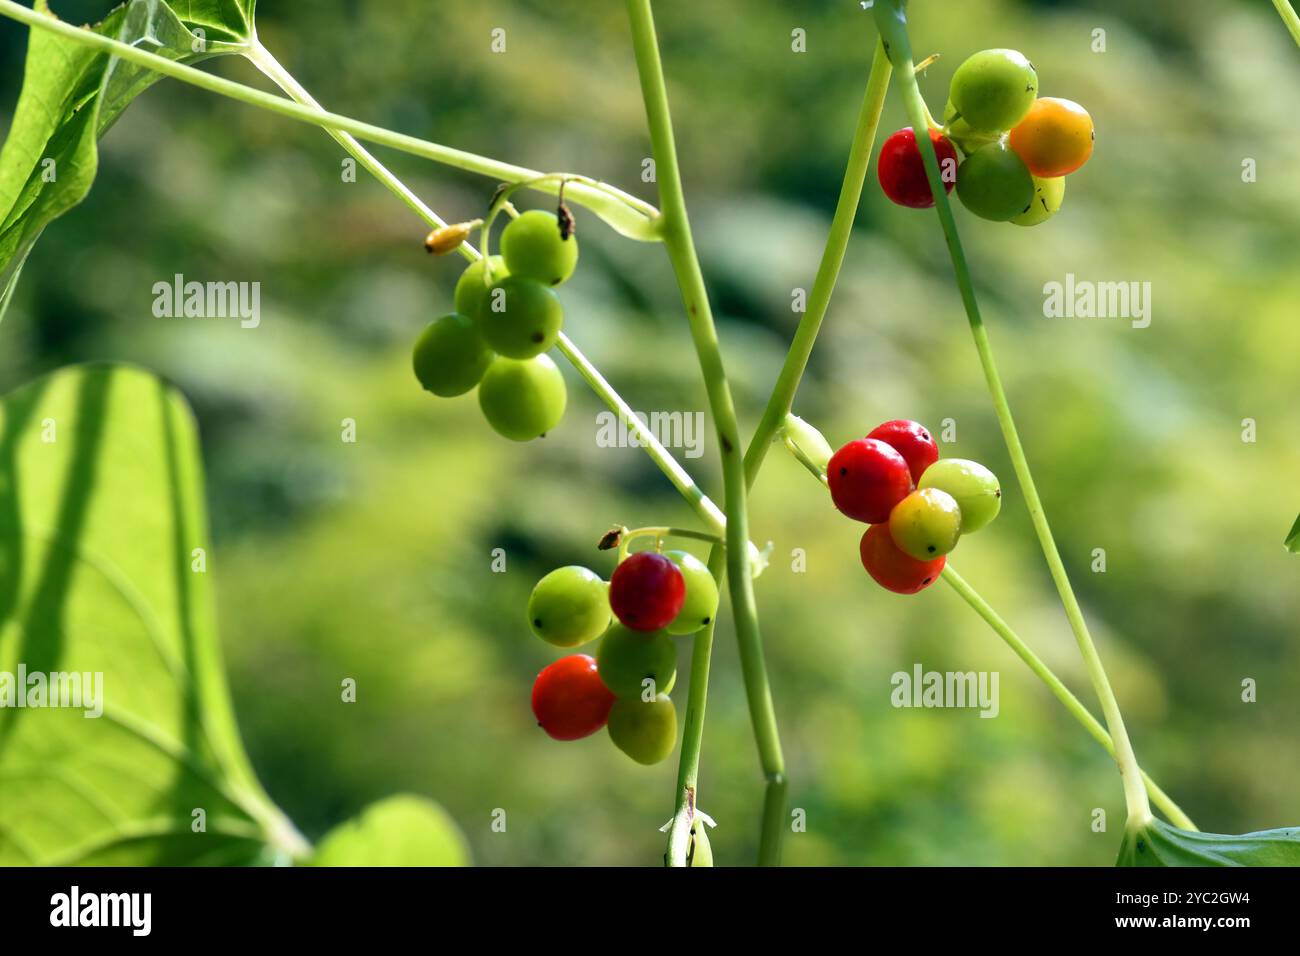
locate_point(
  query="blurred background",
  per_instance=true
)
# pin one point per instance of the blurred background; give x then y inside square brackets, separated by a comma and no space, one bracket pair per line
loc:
[373,560]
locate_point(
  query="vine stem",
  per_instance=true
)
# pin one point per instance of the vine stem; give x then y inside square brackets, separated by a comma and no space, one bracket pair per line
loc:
[1288,14]
[769,428]
[837,241]
[675,230]
[625,213]
[704,506]
[1080,713]
[892,21]
[262,58]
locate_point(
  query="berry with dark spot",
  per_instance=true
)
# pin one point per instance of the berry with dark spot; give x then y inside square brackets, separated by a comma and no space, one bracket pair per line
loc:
[893,569]
[867,478]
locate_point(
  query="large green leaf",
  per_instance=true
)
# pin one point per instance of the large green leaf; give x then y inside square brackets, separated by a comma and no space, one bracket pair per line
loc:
[101,510]
[1159,844]
[71,95]
[400,831]
[1293,538]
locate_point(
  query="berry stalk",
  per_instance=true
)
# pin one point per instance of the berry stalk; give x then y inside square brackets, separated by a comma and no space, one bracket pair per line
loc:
[669,465]
[1056,686]
[892,21]
[625,213]
[675,230]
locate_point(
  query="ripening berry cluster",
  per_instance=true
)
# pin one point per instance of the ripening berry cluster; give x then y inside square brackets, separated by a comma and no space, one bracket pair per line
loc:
[917,504]
[650,598]
[507,316]
[1018,147]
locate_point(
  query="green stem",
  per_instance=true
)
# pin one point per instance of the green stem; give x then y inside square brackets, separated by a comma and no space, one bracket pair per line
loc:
[1288,14]
[769,428]
[659,532]
[625,213]
[893,26]
[837,241]
[262,58]
[1077,710]
[674,227]
[681,479]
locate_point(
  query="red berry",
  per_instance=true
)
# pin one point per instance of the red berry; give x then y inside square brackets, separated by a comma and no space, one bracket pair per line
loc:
[867,478]
[911,440]
[569,699]
[902,173]
[647,591]
[892,568]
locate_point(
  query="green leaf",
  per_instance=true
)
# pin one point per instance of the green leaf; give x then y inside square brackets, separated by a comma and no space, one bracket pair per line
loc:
[402,830]
[1293,539]
[1159,844]
[101,513]
[71,95]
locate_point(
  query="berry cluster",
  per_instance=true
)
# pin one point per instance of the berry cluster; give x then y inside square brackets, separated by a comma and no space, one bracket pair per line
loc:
[649,598]
[1018,147]
[917,504]
[507,316]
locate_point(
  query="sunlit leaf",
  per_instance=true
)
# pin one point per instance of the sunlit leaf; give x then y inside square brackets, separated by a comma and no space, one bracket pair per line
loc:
[101,519]
[72,94]
[1159,844]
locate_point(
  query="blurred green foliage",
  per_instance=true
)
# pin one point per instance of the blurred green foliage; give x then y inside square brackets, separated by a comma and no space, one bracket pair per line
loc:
[372,560]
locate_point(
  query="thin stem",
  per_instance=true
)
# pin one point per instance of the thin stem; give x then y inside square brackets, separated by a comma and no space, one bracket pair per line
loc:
[661,456]
[625,213]
[664,531]
[1077,710]
[1288,14]
[812,466]
[262,58]
[893,26]
[770,425]
[837,241]
[688,766]
[676,233]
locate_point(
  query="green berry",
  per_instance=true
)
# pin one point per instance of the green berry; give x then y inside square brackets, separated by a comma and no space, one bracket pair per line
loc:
[975,488]
[626,658]
[926,524]
[644,730]
[993,183]
[994,89]
[701,602]
[522,400]
[521,317]
[450,356]
[1048,196]
[471,289]
[533,248]
[569,607]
